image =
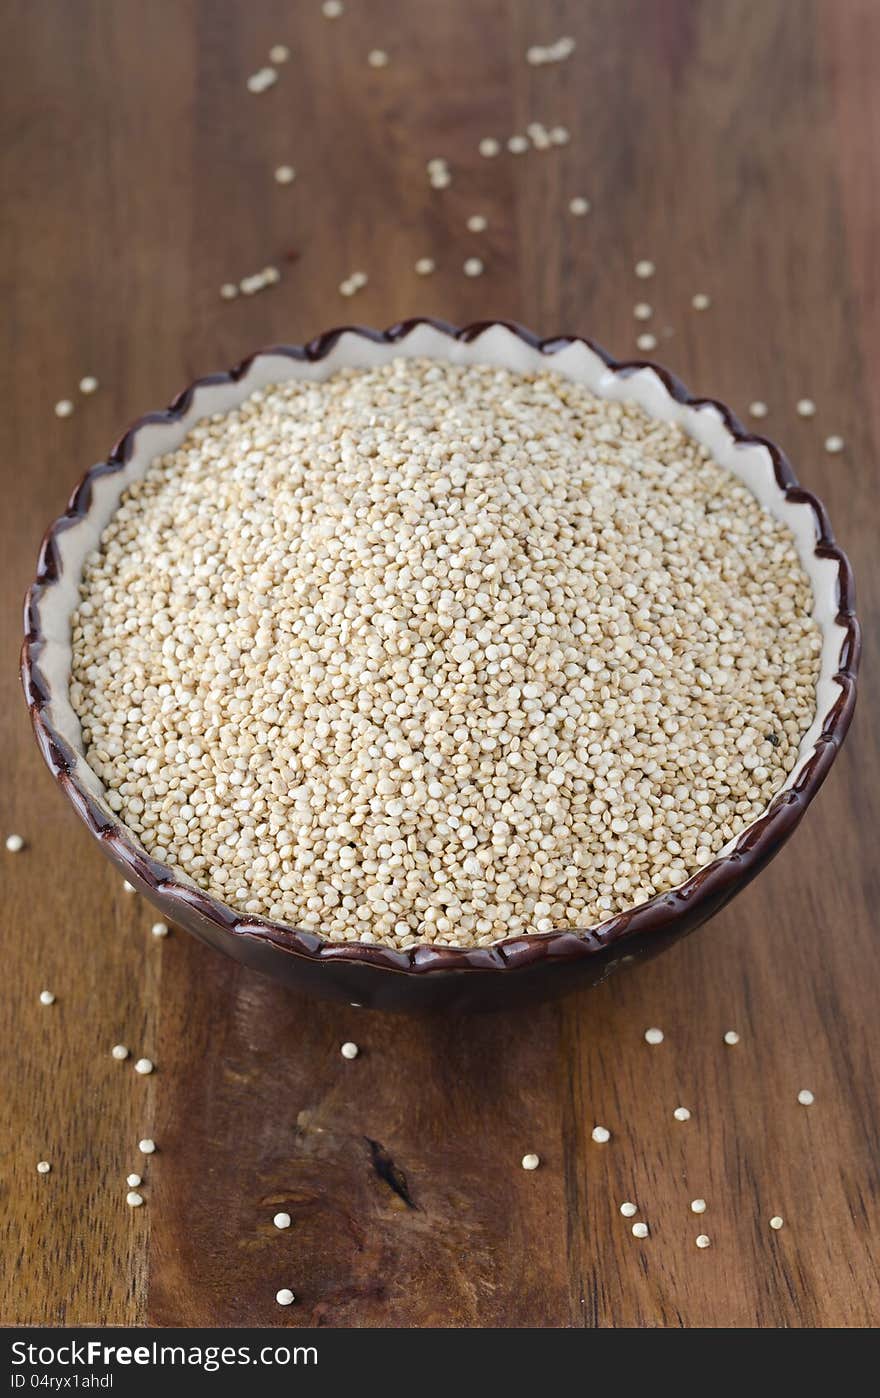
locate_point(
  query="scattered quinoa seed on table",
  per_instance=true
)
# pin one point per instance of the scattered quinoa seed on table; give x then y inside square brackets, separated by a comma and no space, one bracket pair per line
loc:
[600,1135]
[349,1050]
[441,654]
[731,1037]
[640,1230]
[258,281]
[46,997]
[553,53]
[281,1220]
[285,1296]
[805,1097]
[628,1209]
[133,1181]
[262,80]
[776,1222]
[43,1167]
[15,843]
[531,1161]
[654,1036]
[119,1052]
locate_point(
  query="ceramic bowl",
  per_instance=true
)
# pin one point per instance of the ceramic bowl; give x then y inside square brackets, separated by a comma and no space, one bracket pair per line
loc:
[527,967]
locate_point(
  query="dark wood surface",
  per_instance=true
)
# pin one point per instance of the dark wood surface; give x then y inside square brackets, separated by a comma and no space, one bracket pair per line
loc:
[735,144]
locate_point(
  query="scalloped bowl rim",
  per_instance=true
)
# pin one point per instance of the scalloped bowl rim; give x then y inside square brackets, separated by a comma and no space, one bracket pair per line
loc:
[756,460]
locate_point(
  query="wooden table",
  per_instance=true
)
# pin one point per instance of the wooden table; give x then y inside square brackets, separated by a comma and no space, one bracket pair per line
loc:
[732,142]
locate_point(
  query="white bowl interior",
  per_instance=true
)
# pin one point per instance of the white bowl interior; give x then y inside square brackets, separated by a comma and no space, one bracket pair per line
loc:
[497,345]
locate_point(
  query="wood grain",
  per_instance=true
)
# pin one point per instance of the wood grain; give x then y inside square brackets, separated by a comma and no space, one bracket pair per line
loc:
[733,143]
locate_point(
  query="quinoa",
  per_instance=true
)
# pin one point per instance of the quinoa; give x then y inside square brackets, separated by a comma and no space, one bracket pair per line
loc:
[439,654]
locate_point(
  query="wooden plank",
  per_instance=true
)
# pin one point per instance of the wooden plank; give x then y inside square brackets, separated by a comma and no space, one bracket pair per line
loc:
[733,145]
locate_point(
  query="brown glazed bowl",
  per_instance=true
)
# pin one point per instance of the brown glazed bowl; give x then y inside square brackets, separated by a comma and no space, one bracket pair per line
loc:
[528,967]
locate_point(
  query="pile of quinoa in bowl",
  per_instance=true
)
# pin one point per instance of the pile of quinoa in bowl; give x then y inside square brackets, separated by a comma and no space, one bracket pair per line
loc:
[437,654]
